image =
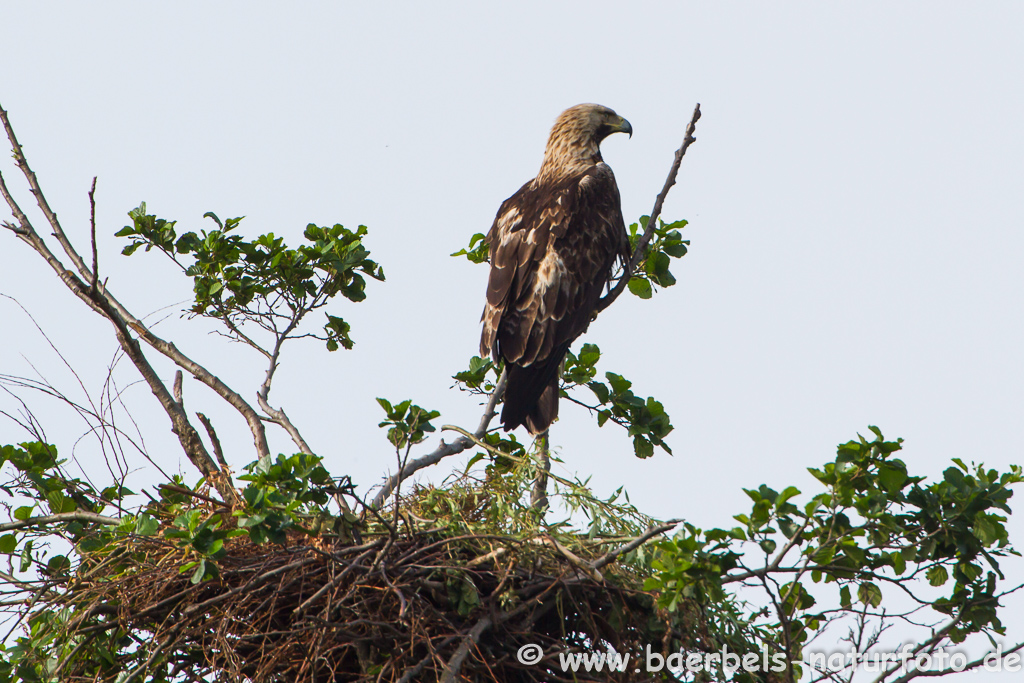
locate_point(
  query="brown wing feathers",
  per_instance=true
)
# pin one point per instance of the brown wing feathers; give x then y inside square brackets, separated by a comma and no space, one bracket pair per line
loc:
[553,245]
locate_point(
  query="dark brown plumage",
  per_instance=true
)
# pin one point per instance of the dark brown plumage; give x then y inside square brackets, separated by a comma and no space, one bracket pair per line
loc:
[553,246]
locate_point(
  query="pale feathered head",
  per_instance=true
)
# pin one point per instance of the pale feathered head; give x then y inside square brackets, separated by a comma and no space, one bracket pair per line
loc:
[576,137]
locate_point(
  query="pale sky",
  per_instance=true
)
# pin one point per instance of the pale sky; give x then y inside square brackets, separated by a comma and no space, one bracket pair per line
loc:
[853,198]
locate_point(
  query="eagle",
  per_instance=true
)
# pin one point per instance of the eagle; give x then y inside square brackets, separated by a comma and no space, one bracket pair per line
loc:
[554,245]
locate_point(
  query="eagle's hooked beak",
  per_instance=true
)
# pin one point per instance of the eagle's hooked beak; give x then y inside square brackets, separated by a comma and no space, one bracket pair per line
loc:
[623,127]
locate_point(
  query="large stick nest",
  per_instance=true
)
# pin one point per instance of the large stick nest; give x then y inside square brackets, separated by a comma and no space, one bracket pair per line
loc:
[420,604]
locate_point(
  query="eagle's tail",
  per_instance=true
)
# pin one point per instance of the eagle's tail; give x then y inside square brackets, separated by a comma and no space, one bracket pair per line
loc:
[545,411]
[531,395]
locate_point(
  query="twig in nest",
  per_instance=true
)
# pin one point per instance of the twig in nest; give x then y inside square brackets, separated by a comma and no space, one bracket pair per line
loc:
[338,579]
[194,494]
[454,665]
[401,598]
[493,555]
[579,563]
[611,555]
[422,664]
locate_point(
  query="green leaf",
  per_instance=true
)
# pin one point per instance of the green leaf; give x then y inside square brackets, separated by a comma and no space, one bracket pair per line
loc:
[58,564]
[26,556]
[786,494]
[869,594]
[892,477]
[8,543]
[478,250]
[600,390]
[937,575]
[844,597]
[899,564]
[642,447]
[641,287]
[619,383]
[676,250]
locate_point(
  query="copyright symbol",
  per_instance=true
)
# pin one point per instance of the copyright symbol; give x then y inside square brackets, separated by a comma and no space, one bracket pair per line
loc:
[530,654]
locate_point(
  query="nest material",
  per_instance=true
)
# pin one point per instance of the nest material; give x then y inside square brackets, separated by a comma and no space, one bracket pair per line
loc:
[422,605]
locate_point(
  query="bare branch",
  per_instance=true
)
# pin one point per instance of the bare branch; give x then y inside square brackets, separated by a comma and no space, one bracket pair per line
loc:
[178,398]
[539,495]
[217,450]
[774,564]
[190,493]
[77,516]
[187,435]
[577,561]
[92,232]
[106,304]
[201,374]
[44,206]
[638,253]
[611,555]
[277,415]
[28,234]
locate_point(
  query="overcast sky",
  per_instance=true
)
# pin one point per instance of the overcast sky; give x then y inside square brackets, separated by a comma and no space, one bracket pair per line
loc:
[854,198]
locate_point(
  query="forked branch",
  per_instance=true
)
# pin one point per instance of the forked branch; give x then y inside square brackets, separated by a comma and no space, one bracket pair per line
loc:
[104,303]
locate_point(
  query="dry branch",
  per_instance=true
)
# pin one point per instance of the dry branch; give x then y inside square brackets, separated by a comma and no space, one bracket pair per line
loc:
[612,555]
[103,302]
[45,520]
[652,222]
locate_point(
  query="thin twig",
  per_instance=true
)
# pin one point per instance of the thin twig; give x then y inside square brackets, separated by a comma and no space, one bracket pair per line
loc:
[774,565]
[92,231]
[107,305]
[338,579]
[493,555]
[539,494]
[611,555]
[401,598]
[580,563]
[652,222]
[189,492]
[416,670]
[22,162]
[277,415]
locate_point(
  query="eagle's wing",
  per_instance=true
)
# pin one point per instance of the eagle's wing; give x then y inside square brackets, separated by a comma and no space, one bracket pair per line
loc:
[519,242]
[552,253]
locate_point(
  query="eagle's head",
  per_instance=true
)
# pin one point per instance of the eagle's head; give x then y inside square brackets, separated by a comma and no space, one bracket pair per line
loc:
[576,137]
